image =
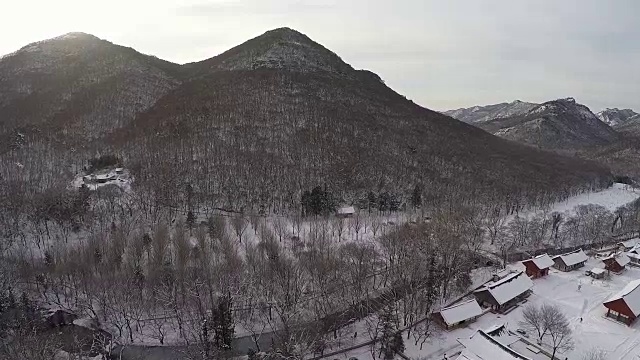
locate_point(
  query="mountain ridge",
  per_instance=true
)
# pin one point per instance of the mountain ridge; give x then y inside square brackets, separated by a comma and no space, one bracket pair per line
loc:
[560,124]
[259,124]
[275,49]
[479,114]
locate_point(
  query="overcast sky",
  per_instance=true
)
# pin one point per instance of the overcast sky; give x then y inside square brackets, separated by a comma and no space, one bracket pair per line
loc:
[443,54]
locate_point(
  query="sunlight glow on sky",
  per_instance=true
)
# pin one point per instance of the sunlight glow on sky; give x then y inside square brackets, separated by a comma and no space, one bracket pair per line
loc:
[441,54]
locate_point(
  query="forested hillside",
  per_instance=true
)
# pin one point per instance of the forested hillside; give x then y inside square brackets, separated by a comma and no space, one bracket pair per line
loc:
[280,105]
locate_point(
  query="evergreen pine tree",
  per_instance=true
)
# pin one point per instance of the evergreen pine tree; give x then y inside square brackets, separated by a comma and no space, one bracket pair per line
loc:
[416,196]
[222,323]
[388,338]
[372,201]
[191,219]
[398,342]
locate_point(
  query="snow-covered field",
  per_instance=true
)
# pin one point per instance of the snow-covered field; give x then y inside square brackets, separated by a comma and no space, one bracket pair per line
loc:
[611,198]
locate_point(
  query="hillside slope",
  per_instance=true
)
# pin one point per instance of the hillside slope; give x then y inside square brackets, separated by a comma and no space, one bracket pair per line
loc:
[261,123]
[71,89]
[560,124]
[617,117]
[309,119]
[480,114]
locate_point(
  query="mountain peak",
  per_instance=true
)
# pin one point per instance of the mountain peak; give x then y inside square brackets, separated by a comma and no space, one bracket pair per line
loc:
[282,49]
[617,117]
[285,32]
[70,41]
[568,100]
[76,36]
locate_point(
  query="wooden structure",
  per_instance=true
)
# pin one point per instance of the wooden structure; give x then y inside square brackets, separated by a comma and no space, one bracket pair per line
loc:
[616,263]
[625,305]
[538,266]
[346,212]
[597,273]
[628,244]
[459,315]
[634,257]
[498,344]
[570,261]
[505,293]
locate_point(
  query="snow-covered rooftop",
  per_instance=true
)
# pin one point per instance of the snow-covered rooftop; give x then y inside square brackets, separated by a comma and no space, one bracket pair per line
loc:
[467,355]
[573,258]
[542,261]
[630,243]
[621,259]
[633,255]
[508,288]
[598,271]
[461,312]
[346,210]
[482,346]
[631,296]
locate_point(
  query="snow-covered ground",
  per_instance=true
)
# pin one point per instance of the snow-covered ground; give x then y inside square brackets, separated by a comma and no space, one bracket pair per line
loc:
[611,198]
[595,331]
[117,176]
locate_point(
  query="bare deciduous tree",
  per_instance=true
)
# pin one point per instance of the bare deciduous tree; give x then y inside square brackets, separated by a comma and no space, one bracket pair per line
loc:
[595,354]
[239,224]
[560,335]
[548,321]
[533,320]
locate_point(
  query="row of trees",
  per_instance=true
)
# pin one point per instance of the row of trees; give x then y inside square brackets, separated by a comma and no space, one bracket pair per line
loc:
[205,281]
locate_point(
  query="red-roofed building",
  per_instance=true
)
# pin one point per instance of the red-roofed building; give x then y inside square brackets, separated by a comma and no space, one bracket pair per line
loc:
[538,266]
[625,305]
[616,263]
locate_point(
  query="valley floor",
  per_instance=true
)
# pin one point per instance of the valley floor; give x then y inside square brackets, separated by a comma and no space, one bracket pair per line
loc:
[611,198]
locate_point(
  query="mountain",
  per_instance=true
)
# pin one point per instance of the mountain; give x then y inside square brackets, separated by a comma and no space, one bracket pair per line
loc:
[560,124]
[616,117]
[256,126]
[479,114]
[283,49]
[75,88]
[625,121]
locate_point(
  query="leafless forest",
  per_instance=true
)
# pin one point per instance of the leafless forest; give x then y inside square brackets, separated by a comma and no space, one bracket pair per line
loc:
[228,227]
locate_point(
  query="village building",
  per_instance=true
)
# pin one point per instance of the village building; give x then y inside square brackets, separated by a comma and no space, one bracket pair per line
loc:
[625,305]
[597,273]
[628,244]
[501,274]
[459,315]
[102,178]
[503,295]
[538,266]
[616,263]
[634,257]
[346,212]
[570,261]
[498,343]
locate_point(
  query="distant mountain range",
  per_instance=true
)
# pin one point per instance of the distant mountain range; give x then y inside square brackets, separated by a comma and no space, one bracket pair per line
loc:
[479,114]
[625,121]
[557,124]
[610,137]
[252,127]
